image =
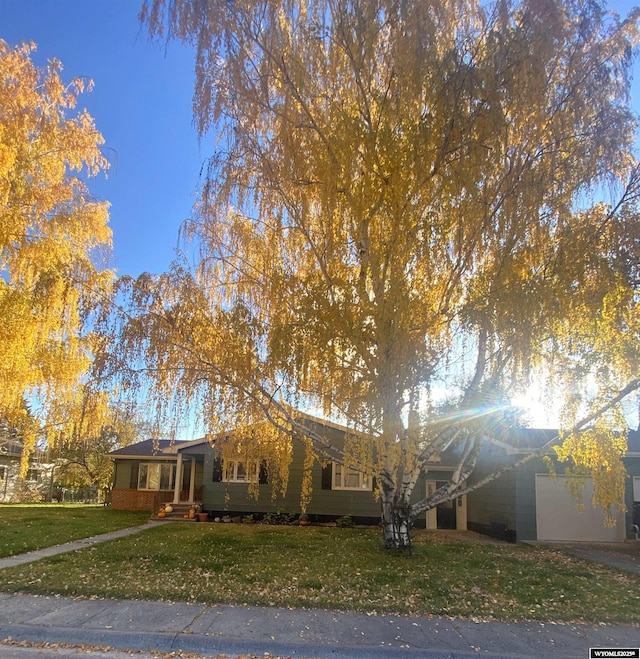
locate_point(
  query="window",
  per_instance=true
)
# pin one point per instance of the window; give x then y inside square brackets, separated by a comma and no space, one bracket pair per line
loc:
[32,475]
[241,471]
[156,476]
[345,478]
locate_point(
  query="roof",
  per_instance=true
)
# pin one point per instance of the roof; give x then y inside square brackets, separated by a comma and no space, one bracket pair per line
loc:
[10,447]
[149,447]
[13,448]
[633,441]
[532,439]
[520,439]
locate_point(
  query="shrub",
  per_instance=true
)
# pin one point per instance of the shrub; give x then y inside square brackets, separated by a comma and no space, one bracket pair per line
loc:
[345,521]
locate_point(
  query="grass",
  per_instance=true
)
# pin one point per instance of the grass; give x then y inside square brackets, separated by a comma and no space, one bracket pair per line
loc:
[338,569]
[25,527]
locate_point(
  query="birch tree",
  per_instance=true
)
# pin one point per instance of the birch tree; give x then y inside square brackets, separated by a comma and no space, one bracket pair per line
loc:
[399,225]
[54,239]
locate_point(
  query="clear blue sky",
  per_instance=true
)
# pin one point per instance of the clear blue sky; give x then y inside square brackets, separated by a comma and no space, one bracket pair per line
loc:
[142,105]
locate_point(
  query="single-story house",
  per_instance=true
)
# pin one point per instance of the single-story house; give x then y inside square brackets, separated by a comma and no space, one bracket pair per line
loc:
[523,504]
[36,483]
[153,472]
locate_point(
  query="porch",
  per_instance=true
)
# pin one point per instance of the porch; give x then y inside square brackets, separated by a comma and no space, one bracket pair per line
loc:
[186,493]
[148,481]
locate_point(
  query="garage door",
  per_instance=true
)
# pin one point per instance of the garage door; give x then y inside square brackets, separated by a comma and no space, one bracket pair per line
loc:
[558,518]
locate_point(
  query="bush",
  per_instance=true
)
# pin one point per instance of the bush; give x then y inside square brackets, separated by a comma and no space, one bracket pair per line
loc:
[344,522]
[280,519]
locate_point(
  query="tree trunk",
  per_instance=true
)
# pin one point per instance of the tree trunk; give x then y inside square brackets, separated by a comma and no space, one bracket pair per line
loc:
[396,523]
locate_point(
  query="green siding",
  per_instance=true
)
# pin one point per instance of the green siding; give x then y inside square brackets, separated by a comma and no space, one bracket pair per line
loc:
[122,477]
[633,469]
[220,497]
[492,508]
[526,498]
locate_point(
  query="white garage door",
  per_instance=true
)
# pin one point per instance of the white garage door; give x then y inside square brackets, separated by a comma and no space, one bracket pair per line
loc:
[558,518]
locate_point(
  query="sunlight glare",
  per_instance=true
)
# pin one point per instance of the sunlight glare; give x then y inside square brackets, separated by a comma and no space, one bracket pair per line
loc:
[536,413]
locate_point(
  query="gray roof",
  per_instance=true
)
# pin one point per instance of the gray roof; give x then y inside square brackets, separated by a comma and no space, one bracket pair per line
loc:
[633,441]
[13,448]
[535,438]
[147,447]
[10,447]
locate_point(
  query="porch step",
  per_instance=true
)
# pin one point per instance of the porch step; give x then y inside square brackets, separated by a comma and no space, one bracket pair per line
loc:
[180,510]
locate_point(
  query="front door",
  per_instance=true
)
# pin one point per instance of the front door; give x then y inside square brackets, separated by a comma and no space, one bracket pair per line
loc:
[446,512]
[448,515]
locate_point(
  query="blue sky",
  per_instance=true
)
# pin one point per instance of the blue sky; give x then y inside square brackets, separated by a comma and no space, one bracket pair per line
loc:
[141,103]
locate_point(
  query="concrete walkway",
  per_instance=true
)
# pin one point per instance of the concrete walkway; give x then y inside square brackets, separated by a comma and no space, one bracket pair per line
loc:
[157,629]
[29,557]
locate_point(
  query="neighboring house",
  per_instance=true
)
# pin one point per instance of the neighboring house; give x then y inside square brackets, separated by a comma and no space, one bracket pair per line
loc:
[37,481]
[526,503]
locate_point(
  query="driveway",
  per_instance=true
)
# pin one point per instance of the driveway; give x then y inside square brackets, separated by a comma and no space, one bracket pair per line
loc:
[622,556]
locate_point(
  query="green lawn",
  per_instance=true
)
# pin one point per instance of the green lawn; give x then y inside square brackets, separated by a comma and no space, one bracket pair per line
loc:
[25,527]
[339,569]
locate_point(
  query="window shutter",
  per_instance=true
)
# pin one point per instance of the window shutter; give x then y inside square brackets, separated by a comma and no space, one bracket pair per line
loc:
[217,470]
[263,475]
[327,473]
[133,482]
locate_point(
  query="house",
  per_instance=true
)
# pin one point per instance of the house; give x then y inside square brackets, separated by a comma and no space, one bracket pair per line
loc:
[528,503]
[153,472]
[525,503]
[37,481]
[146,475]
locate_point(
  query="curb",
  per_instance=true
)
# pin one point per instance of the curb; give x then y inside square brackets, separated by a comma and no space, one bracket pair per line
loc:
[214,645]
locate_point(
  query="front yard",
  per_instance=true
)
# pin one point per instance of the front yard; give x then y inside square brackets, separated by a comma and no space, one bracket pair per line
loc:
[339,569]
[26,527]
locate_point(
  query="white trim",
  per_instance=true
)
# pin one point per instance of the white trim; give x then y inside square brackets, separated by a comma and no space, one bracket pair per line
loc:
[192,479]
[230,471]
[460,504]
[178,480]
[337,479]
[172,477]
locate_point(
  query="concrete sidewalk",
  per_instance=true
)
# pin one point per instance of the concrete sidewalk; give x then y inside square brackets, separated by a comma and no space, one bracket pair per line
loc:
[211,630]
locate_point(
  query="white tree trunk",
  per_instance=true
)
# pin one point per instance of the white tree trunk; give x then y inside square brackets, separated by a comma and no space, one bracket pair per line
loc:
[396,522]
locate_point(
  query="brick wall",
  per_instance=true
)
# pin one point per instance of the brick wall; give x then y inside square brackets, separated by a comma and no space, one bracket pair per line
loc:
[130,499]
[127,499]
